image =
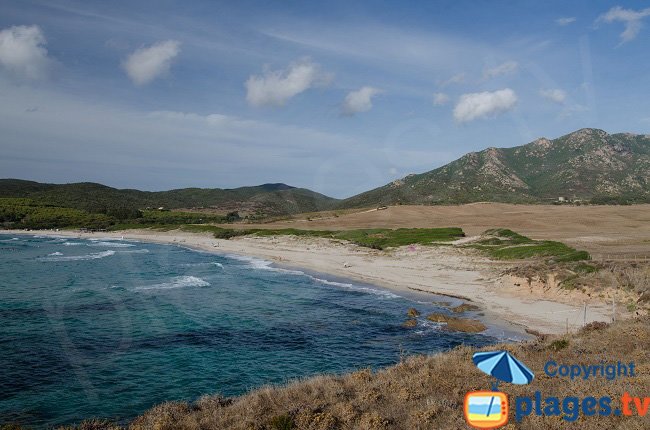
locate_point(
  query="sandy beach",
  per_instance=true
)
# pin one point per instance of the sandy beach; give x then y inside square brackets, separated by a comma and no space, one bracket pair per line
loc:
[444,271]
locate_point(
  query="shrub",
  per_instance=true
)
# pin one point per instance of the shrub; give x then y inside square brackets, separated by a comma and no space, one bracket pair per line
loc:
[281,422]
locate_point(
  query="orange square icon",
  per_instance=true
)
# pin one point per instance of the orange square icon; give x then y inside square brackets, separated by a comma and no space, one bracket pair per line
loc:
[486,409]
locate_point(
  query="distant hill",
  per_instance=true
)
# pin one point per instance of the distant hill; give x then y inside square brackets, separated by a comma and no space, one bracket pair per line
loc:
[589,164]
[267,199]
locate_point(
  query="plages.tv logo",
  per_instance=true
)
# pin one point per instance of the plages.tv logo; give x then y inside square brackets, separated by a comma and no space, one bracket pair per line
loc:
[489,409]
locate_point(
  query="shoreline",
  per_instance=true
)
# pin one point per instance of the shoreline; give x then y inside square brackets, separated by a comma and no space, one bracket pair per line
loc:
[440,273]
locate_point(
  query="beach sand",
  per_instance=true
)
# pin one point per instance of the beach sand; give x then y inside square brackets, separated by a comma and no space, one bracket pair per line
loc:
[441,270]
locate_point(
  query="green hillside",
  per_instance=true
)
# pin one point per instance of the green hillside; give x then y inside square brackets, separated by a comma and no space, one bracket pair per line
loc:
[588,165]
[267,199]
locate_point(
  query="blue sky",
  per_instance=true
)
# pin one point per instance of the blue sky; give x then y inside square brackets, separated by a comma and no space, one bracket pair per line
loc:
[339,97]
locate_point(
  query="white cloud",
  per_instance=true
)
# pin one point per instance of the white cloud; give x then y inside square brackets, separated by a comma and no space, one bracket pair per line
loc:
[458,78]
[565,20]
[481,105]
[502,69]
[147,63]
[359,101]
[23,53]
[555,95]
[440,99]
[276,87]
[631,18]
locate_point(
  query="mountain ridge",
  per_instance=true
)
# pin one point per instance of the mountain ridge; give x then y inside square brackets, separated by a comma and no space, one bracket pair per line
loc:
[587,164]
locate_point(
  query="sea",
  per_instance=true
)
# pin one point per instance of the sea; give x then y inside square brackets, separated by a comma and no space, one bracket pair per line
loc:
[109,328]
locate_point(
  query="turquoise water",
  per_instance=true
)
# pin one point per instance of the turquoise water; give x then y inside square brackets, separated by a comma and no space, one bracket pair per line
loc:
[107,328]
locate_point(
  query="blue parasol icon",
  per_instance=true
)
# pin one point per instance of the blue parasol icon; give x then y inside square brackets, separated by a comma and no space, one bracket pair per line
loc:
[503,366]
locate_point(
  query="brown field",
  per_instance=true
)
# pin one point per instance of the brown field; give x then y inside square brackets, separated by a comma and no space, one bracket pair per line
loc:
[614,232]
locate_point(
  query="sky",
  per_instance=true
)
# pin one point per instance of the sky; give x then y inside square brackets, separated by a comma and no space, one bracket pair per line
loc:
[336,96]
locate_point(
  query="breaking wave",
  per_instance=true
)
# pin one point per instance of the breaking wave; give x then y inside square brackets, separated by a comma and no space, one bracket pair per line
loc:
[177,282]
[93,256]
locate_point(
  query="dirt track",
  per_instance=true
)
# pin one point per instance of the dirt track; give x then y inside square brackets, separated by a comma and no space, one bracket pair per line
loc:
[604,231]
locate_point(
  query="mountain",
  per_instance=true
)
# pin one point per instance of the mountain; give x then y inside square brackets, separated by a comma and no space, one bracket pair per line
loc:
[588,164]
[267,199]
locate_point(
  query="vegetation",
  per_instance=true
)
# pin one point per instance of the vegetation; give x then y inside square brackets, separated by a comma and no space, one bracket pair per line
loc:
[504,244]
[378,238]
[24,213]
[260,201]
[422,392]
[27,213]
[586,165]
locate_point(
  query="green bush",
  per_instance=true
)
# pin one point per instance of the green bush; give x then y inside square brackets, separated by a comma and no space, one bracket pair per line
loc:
[281,422]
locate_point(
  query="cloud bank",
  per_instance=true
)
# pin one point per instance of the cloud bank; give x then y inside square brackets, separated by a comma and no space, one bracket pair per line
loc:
[458,78]
[23,53]
[482,105]
[359,101]
[276,87]
[440,99]
[148,63]
[631,19]
[565,21]
[555,95]
[502,69]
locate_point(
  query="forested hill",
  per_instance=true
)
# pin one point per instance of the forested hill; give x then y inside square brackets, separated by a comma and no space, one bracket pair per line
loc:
[267,199]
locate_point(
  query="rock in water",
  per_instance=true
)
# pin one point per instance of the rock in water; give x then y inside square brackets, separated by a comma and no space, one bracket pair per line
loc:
[458,324]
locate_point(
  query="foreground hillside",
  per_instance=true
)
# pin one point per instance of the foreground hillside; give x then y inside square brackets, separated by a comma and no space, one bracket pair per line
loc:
[589,165]
[427,392]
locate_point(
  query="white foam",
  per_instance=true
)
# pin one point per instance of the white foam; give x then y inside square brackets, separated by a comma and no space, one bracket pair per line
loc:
[134,251]
[258,263]
[72,243]
[211,263]
[425,326]
[93,256]
[56,253]
[177,282]
[111,244]
[368,290]
[13,239]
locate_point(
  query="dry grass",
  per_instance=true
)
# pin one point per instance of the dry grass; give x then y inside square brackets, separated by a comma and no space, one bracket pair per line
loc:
[426,392]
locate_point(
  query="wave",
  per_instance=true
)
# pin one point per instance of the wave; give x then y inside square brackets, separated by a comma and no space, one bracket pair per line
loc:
[93,256]
[359,288]
[111,244]
[72,243]
[425,326]
[55,253]
[258,263]
[13,239]
[177,282]
[134,251]
[210,263]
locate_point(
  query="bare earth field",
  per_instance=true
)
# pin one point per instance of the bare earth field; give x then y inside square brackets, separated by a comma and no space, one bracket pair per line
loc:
[605,231]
